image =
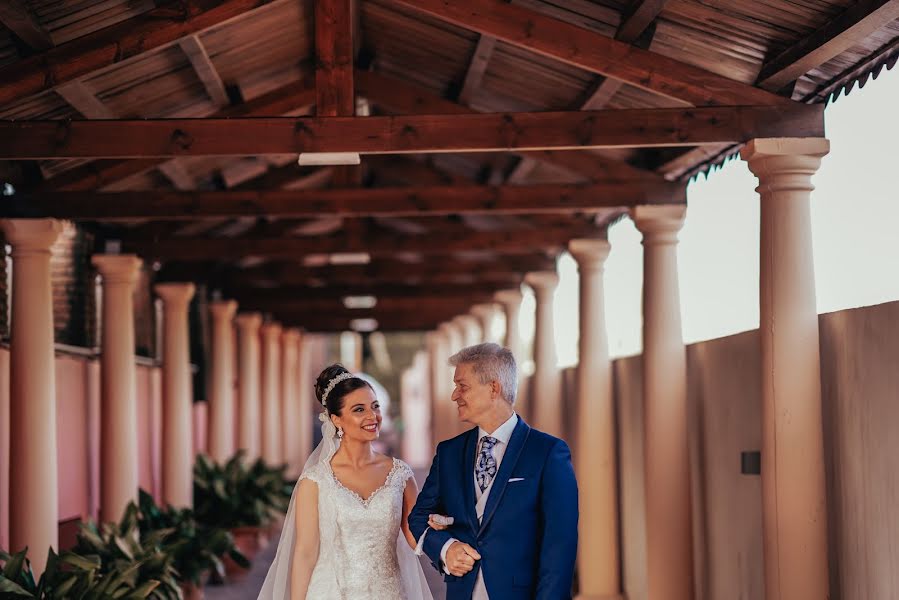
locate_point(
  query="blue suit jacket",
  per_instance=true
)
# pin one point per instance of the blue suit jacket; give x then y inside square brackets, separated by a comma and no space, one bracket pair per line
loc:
[528,536]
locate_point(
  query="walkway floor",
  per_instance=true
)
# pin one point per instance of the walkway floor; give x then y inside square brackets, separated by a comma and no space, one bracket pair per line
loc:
[248,589]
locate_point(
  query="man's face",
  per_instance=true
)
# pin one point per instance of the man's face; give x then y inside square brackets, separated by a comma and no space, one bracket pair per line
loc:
[473,399]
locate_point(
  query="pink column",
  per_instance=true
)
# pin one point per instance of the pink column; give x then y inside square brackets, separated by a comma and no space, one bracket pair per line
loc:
[794,508]
[221,389]
[546,399]
[485,314]
[667,465]
[271,394]
[33,511]
[249,410]
[177,396]
[510,300]
[594,449]
[118,388]
[290,417]
[305,399]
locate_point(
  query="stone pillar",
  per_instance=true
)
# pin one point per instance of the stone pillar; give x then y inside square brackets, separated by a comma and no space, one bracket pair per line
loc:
[221,388]
[546,399]
[441,404]
[511,303]
[667,464]
[290,417]
[177,396]
[469,330]
[595,456]
[305,400]
[248,384]
[271,394]
[453,341]
[118,386]
[486,315]
[794,511]
[33,497]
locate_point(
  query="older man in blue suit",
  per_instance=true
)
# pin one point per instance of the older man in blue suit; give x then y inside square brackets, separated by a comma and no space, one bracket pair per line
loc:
[510,490]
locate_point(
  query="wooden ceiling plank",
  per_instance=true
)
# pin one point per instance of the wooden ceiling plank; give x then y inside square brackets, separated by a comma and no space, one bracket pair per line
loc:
[19,19]
[837,35]
[101,173]
[495,132]
[594,52]
[79,97]
[159,27]
[430,201]
[206,72]
[175,171]
[231,248]
[334,58]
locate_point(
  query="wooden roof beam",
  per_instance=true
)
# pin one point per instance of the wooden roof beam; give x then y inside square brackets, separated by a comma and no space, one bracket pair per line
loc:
[837,35]
[460,303]
[431,201]
[153,29]
[393,292]
[206,72]
[98,174]
[495,132]
[327,321]
[375,244]
[19,19]
[594,52]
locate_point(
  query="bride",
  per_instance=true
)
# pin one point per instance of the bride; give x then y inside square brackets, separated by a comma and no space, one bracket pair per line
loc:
[346,535]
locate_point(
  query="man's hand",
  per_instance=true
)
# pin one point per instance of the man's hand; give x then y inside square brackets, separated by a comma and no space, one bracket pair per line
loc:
[460,559]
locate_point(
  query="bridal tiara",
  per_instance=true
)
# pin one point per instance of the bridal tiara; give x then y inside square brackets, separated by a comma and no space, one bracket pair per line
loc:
[333,382]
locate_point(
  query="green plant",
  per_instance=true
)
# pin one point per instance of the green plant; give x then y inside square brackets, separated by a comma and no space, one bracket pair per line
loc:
[69,576]
[196,548]
[236,495]
[122,549]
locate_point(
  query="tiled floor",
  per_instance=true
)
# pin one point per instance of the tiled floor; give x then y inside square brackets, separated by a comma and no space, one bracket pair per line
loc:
[249,588]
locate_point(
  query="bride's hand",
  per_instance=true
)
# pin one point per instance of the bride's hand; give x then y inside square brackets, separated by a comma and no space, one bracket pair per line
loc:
[438,524]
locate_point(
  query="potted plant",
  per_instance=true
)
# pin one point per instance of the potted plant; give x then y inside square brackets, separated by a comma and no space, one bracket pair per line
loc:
[197,549]
[69,576]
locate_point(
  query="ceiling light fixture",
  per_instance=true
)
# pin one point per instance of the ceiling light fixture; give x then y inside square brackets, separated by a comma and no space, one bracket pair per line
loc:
[321,159]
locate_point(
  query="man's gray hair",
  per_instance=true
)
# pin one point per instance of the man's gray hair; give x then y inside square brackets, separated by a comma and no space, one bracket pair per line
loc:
[491,362]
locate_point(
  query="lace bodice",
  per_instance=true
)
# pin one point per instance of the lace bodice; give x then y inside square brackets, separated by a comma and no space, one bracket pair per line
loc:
[357,550]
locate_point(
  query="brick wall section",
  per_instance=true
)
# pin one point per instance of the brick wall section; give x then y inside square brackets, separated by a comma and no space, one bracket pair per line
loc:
[71,278]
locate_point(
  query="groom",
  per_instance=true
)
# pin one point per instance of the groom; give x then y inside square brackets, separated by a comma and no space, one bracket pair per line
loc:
[509,488]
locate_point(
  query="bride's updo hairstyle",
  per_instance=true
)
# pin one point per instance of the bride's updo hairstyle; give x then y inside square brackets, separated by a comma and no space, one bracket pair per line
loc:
[333,402]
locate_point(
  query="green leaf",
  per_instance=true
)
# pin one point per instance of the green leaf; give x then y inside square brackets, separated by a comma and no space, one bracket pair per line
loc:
[8,586]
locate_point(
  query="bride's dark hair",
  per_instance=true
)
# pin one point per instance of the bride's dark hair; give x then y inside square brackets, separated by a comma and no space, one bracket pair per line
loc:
[334,401]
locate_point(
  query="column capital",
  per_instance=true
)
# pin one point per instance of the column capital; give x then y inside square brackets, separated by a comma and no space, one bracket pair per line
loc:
[223,309]
[117,268]
[659,223]
[590,254]
[249,321]
[31,235]
[542,280]
[290,334]
[484,309]
[175,294]
[785,164]
[510,296]
[272,329]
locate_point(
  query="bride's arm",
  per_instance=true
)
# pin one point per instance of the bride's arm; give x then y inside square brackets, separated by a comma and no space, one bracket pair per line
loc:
[410,493]
[305,550]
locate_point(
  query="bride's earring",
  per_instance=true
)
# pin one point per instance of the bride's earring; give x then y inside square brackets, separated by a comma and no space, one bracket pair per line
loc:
[340,433]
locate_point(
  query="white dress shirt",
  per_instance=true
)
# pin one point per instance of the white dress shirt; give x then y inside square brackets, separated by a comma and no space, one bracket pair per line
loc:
[502,434]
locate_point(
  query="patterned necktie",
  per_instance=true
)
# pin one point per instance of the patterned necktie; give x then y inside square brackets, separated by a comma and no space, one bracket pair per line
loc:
[485,469]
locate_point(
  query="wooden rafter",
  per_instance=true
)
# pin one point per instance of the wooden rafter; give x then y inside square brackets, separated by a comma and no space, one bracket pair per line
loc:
[19,19]
[424,301]
[291,294]
[837,35]
[594,52]
[206,72]
[98,174]
[477,66]
[168,23]
[327,321]
[407,134]
[375,244]
[347,202]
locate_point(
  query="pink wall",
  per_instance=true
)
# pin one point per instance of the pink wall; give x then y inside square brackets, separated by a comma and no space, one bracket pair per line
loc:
[78,435]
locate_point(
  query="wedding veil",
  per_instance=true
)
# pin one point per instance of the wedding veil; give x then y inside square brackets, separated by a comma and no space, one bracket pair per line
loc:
[277,582]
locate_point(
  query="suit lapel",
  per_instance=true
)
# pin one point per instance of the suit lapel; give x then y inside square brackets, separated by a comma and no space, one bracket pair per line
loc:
[471,442]
[510,458]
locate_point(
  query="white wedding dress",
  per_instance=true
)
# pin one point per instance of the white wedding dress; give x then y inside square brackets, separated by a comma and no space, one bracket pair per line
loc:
[363,554]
